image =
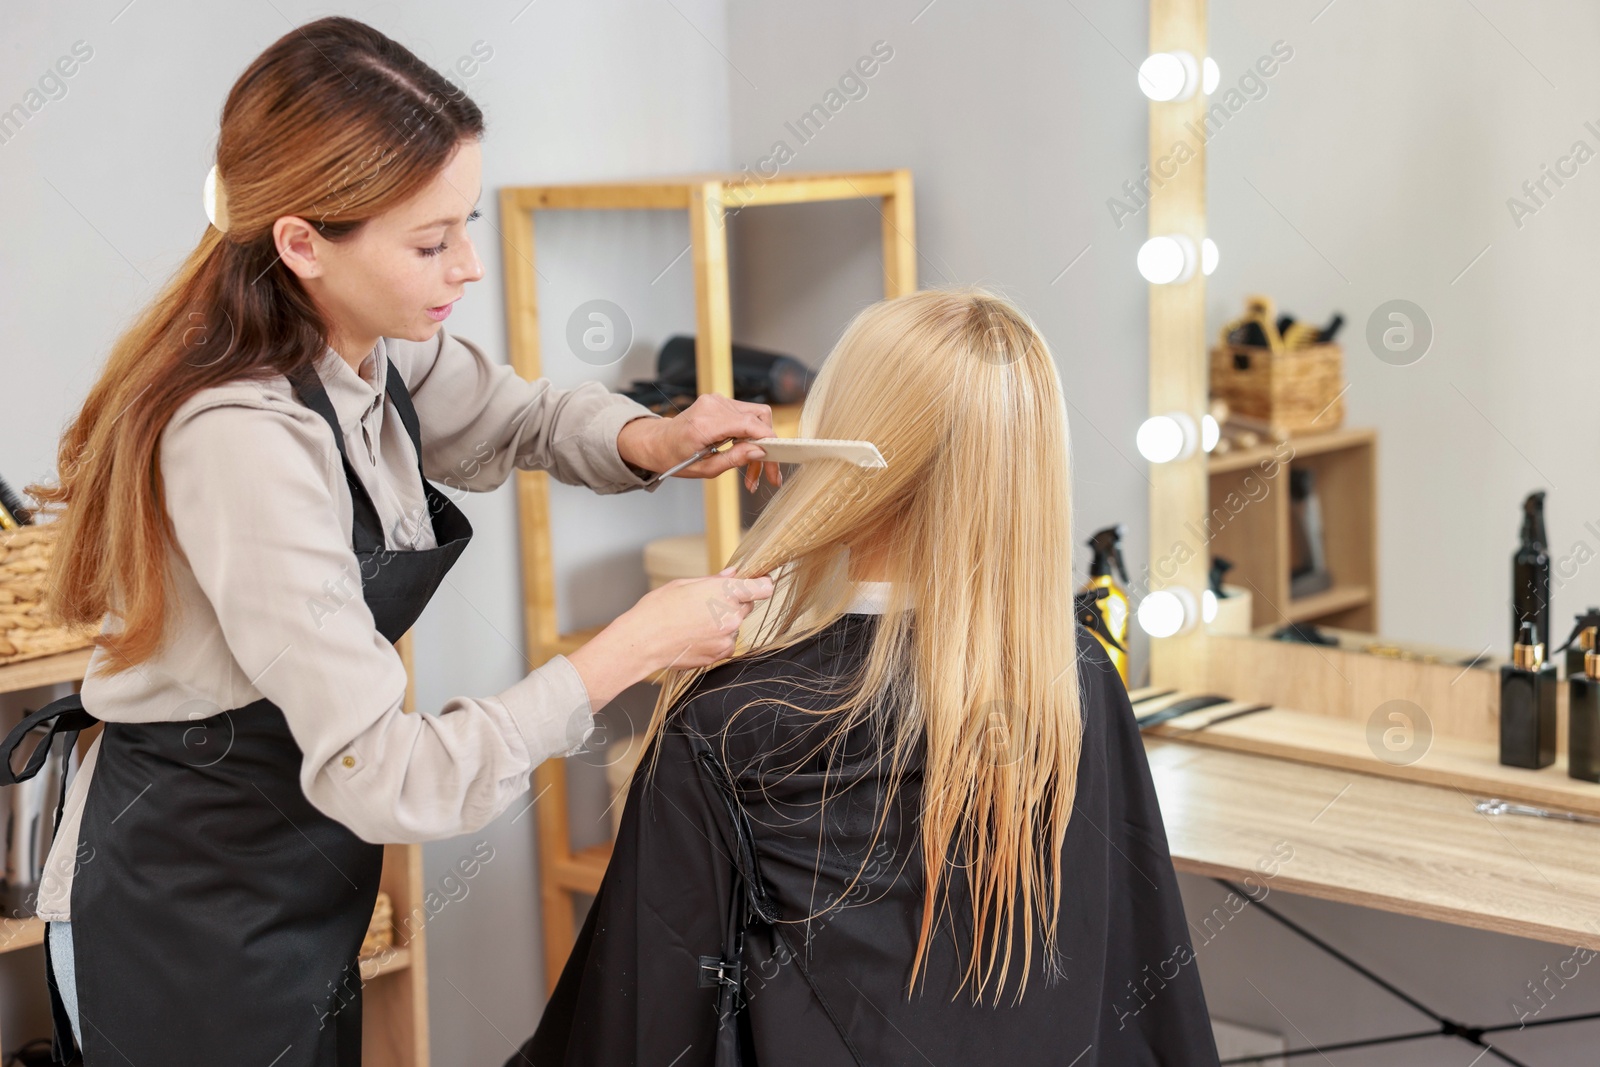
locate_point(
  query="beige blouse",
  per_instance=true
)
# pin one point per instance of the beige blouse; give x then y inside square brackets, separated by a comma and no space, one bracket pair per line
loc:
[268,602]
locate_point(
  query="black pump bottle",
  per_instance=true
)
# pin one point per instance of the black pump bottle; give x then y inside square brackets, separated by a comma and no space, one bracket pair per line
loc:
[1583,720]
[1530,574]
[1528,705]
[1581,642]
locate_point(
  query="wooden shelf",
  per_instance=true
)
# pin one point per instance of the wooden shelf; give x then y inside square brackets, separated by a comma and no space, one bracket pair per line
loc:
[45,670]
[386,962]
[58,669]
[583,870]
[1327,602]
[1304,445]
[735,190]
[706,199]
[1248,522]
[26,933]
[569,642]
[20,933]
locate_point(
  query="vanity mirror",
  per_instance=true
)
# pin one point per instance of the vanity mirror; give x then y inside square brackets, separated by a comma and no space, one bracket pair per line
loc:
[1397,291]
[1453,232]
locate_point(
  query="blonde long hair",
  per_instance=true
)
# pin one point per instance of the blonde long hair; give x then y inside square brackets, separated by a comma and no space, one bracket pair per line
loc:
[958,390]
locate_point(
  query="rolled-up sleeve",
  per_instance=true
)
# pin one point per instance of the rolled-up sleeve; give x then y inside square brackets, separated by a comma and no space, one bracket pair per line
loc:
[481,420]
[249,496]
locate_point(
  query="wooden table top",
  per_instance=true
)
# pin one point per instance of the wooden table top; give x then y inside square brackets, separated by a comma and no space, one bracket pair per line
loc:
[1398,846]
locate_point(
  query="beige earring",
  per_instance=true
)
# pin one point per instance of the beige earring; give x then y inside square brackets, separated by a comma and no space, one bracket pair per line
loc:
[216,200]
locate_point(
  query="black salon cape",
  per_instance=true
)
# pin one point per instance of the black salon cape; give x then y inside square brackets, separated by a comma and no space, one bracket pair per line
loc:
[630,994]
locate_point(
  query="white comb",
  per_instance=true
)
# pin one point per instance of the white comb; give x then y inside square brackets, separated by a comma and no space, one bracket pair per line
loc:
[802,449]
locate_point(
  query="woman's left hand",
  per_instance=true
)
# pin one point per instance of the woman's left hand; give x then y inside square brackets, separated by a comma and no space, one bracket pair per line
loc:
[657,444]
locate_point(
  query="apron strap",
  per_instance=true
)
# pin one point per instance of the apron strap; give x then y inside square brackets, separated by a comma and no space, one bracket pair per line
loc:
[65,716]
[400,397]
[448,520]
[309,390]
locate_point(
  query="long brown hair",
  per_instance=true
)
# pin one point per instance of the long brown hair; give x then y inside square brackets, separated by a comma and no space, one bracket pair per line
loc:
[335,123]
[958,390]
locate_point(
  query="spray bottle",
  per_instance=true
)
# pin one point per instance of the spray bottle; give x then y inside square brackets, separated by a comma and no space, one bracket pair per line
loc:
[1113,606]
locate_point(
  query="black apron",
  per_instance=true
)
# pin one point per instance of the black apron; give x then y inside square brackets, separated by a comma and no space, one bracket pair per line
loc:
[221,915]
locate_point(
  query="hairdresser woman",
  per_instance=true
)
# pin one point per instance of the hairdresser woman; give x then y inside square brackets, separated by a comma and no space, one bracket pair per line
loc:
[246,489]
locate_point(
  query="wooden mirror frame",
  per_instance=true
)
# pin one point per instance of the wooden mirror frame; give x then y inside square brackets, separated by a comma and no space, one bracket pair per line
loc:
[1179,372]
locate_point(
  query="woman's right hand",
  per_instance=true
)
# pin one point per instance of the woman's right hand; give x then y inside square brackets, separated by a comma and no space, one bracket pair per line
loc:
[688,622]
[694,622]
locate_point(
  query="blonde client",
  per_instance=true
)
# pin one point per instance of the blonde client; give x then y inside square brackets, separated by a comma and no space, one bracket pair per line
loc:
[912,820]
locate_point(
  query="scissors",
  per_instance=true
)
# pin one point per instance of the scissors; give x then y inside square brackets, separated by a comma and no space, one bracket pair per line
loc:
[702,454]
[1496,806]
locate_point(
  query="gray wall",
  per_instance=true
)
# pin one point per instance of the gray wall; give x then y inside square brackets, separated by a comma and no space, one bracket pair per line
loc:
[1017,121]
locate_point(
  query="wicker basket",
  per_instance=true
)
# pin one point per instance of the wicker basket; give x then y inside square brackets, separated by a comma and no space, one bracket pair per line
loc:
[1296,391]
[24,562]
[380,931]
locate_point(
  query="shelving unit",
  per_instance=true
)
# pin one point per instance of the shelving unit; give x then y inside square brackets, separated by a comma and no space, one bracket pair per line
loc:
[707,198]
[1254,536]
[395,996]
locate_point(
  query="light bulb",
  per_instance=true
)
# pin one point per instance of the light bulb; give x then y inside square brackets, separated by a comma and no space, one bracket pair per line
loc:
[1164,438]
[1210,432]
[1167,612]
[1166,76]
[1208,256]
[1210,77]
[1208,607]
[1167,259]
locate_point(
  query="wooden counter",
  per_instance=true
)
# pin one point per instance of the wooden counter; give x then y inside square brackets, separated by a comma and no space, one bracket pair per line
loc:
[1381,843]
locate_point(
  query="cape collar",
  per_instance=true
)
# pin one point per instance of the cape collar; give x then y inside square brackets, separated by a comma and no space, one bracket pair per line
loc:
[871,598]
